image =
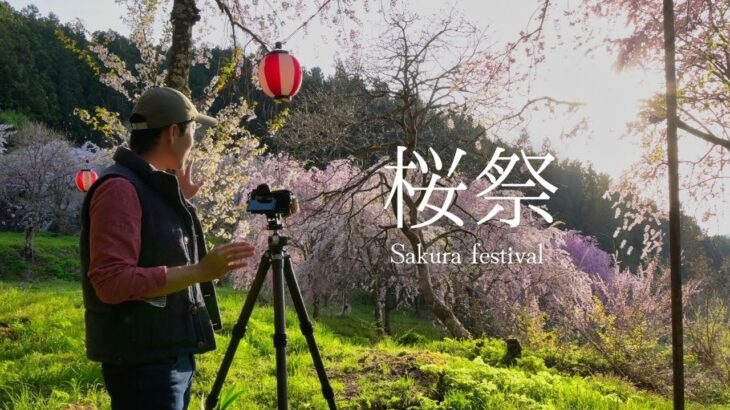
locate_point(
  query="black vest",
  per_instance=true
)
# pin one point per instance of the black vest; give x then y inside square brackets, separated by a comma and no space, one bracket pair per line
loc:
[136,331]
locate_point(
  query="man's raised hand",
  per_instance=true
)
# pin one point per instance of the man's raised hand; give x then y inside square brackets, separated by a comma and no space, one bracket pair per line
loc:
[188,187]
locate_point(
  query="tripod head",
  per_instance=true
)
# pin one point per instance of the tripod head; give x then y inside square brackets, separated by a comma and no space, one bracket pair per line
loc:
[274,222]
[276,241]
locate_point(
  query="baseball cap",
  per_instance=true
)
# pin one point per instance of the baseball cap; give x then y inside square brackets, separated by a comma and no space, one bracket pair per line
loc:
[163,106]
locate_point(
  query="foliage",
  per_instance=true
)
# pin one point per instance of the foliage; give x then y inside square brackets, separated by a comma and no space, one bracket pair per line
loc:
[44,366]
[633,348]
[708,337]
[39,78]
[14,118]
[629,323]
[410,338]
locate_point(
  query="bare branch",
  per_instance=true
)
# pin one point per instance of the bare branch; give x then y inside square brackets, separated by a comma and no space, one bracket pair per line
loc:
[707,136]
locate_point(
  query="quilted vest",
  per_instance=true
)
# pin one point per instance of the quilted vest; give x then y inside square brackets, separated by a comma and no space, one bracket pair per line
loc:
[134,332]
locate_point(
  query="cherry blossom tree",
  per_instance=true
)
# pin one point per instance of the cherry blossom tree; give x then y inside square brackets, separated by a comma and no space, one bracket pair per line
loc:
[6,130]
[220,153]
[345,243]
[703,78]
[37,177]
[588,257]
[419,72]
[332,248]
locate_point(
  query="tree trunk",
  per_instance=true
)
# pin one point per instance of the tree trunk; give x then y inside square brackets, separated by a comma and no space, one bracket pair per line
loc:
[28,249]
[423,274]
[346,309]
[475,313]
[425,287]
[390,304]
[438,307]
[675,247]
[315,305]
[183,17]
[417,306]
[379,310]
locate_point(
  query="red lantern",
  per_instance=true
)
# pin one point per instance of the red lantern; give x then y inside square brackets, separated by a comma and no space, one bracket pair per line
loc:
[85,178]
[280,75]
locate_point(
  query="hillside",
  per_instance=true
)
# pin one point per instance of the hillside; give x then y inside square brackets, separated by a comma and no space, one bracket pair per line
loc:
[42,362]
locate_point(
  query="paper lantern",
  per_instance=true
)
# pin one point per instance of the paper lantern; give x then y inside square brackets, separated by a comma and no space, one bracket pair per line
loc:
[85,179]
[280,75]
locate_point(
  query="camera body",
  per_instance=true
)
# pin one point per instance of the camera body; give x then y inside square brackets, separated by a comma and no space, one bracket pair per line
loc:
[263,200]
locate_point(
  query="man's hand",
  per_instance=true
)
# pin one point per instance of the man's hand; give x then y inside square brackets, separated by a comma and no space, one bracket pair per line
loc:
[225,258]
[188,187]
[221,260]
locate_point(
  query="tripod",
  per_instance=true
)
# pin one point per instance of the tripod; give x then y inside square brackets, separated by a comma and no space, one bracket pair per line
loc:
[277,257]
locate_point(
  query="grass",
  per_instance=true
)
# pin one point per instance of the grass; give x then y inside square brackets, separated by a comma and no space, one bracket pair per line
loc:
[43,364]
[56,257]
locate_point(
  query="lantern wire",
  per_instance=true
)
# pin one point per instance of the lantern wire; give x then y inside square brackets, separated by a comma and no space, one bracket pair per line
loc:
[226,10]
[235,23]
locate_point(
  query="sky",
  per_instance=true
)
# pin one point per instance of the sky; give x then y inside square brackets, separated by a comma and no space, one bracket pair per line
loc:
[611,99]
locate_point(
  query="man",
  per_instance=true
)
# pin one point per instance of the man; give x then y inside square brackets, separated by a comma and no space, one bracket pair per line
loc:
[144,260]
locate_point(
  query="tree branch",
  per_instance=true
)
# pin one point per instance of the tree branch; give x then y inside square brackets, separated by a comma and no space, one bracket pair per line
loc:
[225,9]
[707,136]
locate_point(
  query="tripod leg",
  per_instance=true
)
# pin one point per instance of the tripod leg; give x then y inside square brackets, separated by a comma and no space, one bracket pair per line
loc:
[239,330]
[280,330]
[308,331]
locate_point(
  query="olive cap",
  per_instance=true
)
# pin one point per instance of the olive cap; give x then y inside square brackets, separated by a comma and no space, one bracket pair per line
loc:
[163,106]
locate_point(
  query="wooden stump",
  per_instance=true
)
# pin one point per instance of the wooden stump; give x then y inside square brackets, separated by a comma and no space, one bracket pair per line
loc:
[514,351]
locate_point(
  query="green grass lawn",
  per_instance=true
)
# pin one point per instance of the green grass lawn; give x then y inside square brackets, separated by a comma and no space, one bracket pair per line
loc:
[43,365]
[56,257]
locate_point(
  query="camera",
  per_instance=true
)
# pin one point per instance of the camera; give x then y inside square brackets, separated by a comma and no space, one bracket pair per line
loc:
[263,200]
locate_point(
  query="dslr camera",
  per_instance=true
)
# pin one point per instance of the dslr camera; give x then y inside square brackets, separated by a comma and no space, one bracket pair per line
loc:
[263,200]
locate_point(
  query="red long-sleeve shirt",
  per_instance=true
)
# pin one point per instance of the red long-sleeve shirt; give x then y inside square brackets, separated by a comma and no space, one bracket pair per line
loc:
[114,245]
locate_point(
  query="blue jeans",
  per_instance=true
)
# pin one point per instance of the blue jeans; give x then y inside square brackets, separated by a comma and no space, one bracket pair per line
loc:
[163,385]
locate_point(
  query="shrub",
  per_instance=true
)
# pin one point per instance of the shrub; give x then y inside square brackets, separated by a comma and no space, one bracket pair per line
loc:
[14,118]
[410,338]
[628,325]
[708,340]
